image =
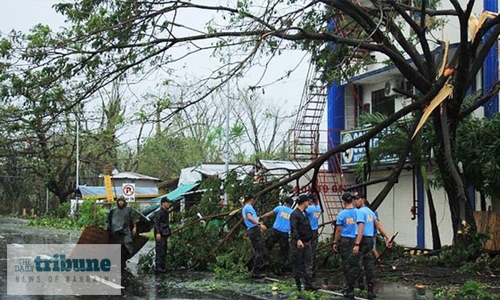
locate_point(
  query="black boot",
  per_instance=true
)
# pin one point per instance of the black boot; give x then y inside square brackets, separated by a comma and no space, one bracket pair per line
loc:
[349,293]
[371,294]
[298,285]
[308,286]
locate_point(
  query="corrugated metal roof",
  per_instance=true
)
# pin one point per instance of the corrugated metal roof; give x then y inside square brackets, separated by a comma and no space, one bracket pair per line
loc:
[132,175]
[195,174]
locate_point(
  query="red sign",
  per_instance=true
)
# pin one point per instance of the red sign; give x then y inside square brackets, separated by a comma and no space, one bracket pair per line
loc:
[321,188]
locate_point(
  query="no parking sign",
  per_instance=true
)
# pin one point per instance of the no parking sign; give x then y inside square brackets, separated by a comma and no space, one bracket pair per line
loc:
[128,191]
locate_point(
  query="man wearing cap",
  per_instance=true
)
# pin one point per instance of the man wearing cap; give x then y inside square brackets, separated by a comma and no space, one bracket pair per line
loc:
[122,226]
[254,227]
[346,231]
[280,233]
[301,236]
[366,244]
[313,211]
[162,232]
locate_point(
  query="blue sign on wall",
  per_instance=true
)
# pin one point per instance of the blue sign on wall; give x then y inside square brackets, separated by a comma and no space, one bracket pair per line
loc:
[354,155]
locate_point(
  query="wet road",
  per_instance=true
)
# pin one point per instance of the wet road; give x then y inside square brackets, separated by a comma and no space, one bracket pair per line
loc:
[173,285]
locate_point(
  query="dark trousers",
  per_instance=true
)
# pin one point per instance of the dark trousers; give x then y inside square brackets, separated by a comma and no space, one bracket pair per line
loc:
[260,255]
[118,238]
[161,254]
[302,263]
[276,236]
[350,262]
[367,260]
[314,246]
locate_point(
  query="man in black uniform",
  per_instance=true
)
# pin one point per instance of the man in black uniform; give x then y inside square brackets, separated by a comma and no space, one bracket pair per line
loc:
[302,235]
[162,232]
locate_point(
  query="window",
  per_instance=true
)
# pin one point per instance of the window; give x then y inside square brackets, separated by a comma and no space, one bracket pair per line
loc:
[381,103]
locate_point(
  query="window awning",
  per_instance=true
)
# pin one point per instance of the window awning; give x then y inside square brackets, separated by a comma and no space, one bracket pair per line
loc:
[176,194]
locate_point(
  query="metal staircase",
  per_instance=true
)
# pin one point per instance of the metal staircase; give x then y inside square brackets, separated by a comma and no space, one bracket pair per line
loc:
[330,185]
[305,134]
[305,140]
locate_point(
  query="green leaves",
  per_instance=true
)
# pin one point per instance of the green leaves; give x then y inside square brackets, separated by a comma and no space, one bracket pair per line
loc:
[478,149]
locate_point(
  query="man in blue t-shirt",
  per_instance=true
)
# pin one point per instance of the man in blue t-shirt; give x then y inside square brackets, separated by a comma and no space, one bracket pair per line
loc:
[313,212]
[280,233]
[346,231]
[366,245]
[254,227]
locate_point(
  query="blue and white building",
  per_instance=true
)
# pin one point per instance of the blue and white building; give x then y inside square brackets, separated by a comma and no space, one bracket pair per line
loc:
[371,91]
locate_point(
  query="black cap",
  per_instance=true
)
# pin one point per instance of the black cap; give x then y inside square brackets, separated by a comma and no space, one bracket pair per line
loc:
[164,199]
[301,199]
[347,197]
[288,201]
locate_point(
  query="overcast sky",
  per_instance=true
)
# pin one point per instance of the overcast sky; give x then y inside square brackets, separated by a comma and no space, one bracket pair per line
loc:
[24,14]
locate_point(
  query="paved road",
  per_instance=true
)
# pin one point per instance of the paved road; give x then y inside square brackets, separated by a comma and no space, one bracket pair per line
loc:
[174,285]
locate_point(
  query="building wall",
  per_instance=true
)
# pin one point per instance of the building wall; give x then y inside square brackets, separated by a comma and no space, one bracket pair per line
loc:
[395,214]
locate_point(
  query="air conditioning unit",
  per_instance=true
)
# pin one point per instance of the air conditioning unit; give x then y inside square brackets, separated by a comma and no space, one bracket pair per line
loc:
[390,85]
[388,89]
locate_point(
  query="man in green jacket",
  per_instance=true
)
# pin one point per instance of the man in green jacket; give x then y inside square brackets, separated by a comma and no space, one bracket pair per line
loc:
[122,226]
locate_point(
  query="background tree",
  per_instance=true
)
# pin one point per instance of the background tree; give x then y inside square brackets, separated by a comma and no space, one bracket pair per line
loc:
[262,123]
[478,150]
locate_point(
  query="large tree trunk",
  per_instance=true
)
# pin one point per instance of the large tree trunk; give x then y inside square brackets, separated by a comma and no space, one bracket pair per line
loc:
[462,216]
[436,238]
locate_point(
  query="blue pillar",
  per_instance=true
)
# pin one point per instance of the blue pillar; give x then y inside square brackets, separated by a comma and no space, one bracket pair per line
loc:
[336,110]
[420,210]
[490,67]
[335,107]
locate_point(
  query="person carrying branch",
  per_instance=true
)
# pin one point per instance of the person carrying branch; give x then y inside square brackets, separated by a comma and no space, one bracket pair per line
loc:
[254,228]
[280,233]
[367,259]
[346,230]
[313,211]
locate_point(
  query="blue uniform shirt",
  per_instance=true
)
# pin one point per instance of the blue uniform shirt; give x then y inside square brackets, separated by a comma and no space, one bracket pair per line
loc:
[248,208]
[282,221]
[368,217]
[313,212]
[347,218]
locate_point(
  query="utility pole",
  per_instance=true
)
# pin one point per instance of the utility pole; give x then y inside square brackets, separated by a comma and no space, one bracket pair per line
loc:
[226,146]
[77,152]
[77,175]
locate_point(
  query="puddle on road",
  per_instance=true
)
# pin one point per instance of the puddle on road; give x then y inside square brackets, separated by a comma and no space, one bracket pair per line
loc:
[174,285]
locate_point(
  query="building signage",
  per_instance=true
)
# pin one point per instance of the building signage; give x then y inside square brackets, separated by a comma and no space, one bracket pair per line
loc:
[354,155]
